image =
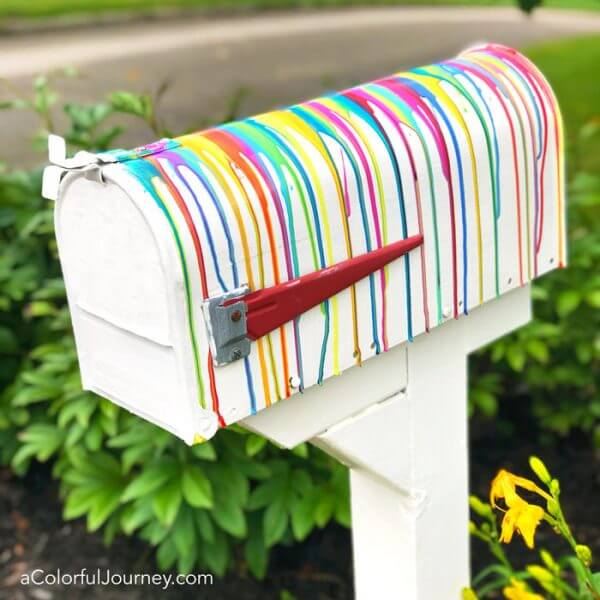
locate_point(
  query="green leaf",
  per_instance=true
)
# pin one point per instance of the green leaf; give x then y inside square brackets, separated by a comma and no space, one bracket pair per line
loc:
[135,515]
[301,481]
[343,513]
[111,529]
[567,302]
[216,554]
[196,488]
[204,525]
[135,455]
[303,516]
[584,352]
[186,562]
[107,500]
[254,444]
[31,395]
[593,298]
[301,450]
[204,451]
[538,349]
[80,500]
[9,343]
[229,481]
[135,104]
[265,493]
[256,554]
[230,517]
[485,401]
[275,522]
[94,437]
[154,532]
[166,502]
[150,479]
[324,509]
[166,555]
[40,308]
[254,470]
[184,532]
[81,409]
[515,355]
[42,439]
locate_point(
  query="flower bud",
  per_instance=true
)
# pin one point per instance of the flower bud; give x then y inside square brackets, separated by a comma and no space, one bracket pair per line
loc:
[472,528]
[584,553]
[552,508]
[539,468]
[468,594]
[550,562]
[479,507]
[543,576]
[554,487]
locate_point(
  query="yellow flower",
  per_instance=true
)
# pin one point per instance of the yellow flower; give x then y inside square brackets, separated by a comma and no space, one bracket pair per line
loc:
[505,484]
[517,590]
[522,518]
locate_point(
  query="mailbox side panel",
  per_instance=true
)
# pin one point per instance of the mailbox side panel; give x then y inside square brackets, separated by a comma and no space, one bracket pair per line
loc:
[467,152]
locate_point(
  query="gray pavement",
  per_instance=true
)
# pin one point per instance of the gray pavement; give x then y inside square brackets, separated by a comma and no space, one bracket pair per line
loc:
[278,58]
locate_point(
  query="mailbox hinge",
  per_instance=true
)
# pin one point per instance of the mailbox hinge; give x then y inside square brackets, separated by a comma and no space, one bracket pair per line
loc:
[84,162]
[88,163]
[235,318]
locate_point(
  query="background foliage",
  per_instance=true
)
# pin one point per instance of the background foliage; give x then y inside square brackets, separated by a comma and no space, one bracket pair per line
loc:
[227,502]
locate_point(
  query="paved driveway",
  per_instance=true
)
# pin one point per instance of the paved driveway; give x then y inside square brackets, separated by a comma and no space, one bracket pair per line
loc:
[279,58]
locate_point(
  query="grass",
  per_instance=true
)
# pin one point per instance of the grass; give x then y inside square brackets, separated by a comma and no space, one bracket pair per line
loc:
[572,66]
[47,8]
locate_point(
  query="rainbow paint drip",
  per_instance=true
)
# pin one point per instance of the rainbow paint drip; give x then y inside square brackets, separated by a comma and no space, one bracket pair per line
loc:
[467,152]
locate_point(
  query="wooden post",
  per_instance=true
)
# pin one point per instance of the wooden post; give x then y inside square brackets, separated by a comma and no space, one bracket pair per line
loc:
[410,529]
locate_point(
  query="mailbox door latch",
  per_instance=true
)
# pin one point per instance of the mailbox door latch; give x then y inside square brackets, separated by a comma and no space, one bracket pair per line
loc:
[237,317]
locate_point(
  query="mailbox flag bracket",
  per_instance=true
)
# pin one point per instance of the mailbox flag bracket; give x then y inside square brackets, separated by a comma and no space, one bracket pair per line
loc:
[237,317]
[226,326]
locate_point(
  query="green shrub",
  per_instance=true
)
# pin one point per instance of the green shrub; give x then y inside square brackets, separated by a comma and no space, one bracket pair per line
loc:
[195,505]
[528,6]
[554,359]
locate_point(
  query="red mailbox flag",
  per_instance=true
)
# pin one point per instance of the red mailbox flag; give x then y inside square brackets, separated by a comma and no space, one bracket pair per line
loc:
[270,308]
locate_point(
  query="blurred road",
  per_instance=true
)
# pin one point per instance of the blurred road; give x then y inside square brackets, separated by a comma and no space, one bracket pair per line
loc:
[278,58]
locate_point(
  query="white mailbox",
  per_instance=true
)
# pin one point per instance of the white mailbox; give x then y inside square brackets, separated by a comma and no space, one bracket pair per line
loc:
[218,274]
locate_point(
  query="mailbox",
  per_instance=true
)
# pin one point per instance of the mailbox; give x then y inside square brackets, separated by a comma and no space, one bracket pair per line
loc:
[214,275]
[219,274]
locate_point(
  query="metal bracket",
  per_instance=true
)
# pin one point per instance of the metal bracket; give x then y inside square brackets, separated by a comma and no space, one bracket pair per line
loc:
[85,162]
[88,163]
[227,327]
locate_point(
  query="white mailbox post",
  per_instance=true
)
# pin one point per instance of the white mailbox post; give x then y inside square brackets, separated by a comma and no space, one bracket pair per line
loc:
[334,262]
[400,424]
